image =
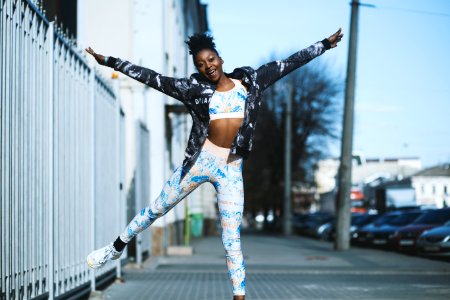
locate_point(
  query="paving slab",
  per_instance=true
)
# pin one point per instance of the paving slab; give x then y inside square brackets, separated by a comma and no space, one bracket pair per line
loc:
[286,268]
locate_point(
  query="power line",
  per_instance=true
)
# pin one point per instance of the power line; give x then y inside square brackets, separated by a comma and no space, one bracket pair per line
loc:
[407,10]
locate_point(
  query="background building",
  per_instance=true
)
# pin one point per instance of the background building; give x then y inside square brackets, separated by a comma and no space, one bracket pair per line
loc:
[432,186]
[149,33]
[367,176]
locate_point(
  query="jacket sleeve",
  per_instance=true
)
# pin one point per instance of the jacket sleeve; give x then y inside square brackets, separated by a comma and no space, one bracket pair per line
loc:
[176,88]
[269,73]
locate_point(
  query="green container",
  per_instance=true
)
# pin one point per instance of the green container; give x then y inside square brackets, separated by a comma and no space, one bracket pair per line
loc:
[196,225]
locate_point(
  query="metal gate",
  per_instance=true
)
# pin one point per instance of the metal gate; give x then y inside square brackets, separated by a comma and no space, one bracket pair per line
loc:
[60,130]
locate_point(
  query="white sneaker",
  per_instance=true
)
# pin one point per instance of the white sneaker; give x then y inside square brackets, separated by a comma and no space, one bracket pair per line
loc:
[98,258]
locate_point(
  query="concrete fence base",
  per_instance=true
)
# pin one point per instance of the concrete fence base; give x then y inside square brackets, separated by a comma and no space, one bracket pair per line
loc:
[180,250]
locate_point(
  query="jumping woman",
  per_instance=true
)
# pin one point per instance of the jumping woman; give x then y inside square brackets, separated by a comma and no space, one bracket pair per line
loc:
[224,108]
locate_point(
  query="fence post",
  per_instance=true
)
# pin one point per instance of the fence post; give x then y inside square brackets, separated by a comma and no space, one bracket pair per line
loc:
[118,173]
[92,98]
[51,246]
[51,199]
[137,188]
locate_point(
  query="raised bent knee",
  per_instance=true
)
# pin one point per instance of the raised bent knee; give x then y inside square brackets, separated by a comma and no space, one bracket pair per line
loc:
[157,208]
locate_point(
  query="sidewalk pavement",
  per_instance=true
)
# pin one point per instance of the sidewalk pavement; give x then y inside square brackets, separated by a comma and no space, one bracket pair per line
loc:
[286,268]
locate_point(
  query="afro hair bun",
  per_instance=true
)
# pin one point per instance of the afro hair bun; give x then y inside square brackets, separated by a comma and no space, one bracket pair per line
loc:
[200,41]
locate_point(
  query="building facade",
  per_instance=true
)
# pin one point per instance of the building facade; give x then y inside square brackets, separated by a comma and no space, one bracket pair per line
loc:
[432,186]
[150,33]
[367,174]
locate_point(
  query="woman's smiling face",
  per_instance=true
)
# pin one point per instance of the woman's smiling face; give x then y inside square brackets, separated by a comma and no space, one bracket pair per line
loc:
[209,64]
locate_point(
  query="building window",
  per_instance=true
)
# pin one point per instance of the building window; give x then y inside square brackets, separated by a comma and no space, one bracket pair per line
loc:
[434,190]
[422,189]
[445,190]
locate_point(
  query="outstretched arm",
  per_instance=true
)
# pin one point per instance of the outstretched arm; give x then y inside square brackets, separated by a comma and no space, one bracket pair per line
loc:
[269,73]
[176,88]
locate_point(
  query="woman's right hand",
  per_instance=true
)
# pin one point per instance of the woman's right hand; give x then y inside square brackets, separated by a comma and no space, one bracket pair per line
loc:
[335,38]
[98,57]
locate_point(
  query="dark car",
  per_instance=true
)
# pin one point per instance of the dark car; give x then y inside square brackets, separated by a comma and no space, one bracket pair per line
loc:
[308,224]
[384,235]
[406,237]
[358,220]
[435,242]
[364,235]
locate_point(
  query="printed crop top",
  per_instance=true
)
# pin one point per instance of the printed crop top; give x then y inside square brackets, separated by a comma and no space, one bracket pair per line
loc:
[229,104]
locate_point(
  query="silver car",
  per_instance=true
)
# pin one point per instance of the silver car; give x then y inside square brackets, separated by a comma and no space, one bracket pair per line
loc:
[435,242]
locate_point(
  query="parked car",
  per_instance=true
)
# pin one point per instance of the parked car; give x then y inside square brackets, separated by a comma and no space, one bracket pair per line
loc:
[324,230]
[384,235]
[358,220]
[309,224]
[298,220]
[435,242]
[364,235]
[406,237]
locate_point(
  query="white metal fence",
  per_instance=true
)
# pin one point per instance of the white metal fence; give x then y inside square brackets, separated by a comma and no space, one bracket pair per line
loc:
[60,160]
[143,241]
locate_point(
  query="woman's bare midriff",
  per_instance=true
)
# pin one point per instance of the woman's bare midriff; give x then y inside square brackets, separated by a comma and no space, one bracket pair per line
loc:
[222,132]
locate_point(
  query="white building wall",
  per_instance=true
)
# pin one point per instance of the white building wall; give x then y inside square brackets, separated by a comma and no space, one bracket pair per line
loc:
[175,67]
[326,173]
[432,190]
[149,33]
[396,169]
[149,50]
[106,27]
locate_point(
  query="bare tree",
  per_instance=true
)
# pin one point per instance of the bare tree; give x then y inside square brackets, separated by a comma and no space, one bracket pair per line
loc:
[315,118]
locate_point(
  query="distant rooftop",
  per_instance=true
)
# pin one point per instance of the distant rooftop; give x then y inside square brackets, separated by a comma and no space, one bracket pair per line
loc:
[390,159]
[382,159]
[441,170]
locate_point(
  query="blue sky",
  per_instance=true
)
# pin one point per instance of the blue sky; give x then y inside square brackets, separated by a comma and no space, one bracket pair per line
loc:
[402,99]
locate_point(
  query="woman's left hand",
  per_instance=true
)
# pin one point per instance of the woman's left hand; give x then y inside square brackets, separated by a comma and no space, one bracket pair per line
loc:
[335,38]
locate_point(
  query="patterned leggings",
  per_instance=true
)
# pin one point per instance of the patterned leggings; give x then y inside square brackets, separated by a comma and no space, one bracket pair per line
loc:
[225,173]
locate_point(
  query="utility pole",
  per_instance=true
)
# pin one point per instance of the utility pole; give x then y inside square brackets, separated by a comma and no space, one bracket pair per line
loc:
[287,224]
[342,241]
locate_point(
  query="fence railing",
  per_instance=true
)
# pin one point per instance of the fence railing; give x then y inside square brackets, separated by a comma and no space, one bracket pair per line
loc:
[60,156]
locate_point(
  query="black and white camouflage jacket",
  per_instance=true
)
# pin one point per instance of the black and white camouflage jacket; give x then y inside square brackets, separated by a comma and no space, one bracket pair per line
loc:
[195,93]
